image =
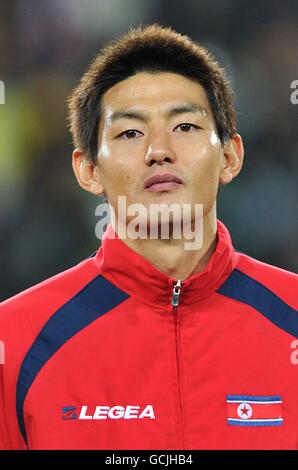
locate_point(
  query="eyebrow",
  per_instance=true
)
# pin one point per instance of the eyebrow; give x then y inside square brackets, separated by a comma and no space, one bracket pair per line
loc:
[175,111]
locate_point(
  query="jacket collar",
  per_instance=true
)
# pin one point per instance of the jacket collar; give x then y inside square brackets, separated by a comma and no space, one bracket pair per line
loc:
[136,276]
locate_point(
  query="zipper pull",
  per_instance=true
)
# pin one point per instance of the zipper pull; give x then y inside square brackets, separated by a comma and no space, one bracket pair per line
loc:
[176,293]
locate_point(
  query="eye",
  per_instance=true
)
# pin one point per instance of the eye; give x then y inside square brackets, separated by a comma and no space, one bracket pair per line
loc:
[129,134]
[186,127]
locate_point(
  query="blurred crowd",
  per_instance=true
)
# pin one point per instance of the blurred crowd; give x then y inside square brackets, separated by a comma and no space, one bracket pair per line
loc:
[47,222]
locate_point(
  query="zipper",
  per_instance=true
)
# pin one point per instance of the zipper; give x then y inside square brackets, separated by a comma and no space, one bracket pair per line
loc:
[175,304]
[176,293]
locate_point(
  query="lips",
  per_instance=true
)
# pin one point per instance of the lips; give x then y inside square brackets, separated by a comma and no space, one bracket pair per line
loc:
[162,182]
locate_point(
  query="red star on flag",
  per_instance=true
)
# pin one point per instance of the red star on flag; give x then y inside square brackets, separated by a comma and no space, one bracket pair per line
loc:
[245,410]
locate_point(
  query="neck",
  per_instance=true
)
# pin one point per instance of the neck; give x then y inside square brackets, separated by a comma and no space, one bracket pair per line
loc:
[170,255]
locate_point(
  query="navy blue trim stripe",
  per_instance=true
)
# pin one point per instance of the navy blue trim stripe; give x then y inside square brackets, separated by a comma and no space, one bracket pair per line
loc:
[97,298]
[241,287]
[252,398]
[261,422]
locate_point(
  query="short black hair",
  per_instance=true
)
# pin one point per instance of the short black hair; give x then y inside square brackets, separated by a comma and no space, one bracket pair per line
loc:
[152,48]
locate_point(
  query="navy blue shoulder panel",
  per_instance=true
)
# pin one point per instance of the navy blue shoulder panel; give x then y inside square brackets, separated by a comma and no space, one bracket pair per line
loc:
[240,286]
[97,298]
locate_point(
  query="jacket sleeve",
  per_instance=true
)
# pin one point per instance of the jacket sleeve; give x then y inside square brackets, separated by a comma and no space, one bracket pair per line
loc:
[4,437]
[10,435]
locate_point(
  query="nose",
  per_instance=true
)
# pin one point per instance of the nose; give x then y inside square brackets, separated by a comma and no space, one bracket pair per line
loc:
[159,150]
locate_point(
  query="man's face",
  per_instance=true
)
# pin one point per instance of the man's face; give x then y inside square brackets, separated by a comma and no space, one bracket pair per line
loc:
[144,131]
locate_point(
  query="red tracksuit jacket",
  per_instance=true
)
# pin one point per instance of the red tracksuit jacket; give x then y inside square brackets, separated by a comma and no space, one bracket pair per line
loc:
[114,354]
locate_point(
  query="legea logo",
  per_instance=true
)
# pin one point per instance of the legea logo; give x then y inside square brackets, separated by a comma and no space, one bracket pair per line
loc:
[107,412]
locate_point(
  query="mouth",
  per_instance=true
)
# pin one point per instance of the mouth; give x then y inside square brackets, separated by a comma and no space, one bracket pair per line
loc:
[163,182]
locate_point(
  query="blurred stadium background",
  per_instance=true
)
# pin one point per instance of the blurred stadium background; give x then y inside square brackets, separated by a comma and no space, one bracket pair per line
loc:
[47,221]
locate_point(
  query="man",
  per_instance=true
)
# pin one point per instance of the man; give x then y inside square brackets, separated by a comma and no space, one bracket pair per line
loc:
[147,344]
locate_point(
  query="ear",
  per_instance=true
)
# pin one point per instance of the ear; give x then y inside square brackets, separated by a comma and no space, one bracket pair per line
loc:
[87,173]
[233,155]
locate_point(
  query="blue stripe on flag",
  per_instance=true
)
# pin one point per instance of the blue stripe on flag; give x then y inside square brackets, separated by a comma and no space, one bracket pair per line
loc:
[260,422]
[253,398]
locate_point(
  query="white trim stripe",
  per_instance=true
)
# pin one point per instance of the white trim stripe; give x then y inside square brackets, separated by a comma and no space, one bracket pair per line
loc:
[255,420]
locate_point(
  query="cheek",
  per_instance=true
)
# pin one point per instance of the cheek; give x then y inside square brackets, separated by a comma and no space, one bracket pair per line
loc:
[205,175]
[211,155]
[212,168]
[206,166]
[116,178]
[120,169]
[115,164]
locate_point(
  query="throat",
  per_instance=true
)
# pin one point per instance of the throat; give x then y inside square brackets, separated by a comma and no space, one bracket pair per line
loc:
[171,257]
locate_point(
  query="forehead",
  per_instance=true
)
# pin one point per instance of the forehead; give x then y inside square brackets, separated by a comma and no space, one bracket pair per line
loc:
[153,92]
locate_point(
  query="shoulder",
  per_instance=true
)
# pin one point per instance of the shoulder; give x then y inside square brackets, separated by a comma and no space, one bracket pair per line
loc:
[269,290]
[280,282]
[23,315]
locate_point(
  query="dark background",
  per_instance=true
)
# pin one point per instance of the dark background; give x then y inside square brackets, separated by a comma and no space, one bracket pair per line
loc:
[47,222]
